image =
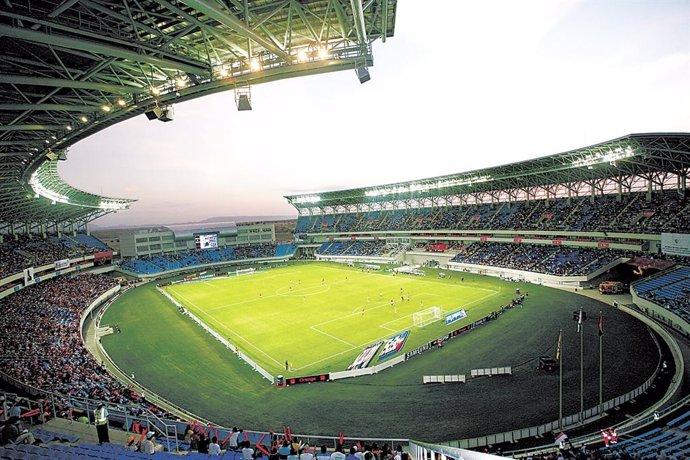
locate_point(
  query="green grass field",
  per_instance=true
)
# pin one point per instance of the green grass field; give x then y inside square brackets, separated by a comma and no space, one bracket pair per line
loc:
[174,357]
[319,318]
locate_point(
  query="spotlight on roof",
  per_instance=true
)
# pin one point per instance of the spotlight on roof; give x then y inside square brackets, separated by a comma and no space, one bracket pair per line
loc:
[160,113]
[121,102]
[83,119]
[68,127]
[302,55]
[363,74]
[243,98]
[323,53]
[106,108]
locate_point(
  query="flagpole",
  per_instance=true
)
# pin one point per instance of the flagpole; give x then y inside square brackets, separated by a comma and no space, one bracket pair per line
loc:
[601,372]
[560,379]
[582,369]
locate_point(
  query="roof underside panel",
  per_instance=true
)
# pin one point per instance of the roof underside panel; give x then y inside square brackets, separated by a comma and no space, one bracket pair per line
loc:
[639,155]
[69,69]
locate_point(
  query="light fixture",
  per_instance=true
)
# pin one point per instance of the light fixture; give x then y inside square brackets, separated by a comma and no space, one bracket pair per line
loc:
[223,72]
[255,65]
[323,53]
[68,127]
[121,102]
[83,119]
[155,91]
[302,55]
[180,82]
[105,108]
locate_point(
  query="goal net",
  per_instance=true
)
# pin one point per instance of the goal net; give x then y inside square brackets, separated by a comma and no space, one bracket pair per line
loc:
[426,317]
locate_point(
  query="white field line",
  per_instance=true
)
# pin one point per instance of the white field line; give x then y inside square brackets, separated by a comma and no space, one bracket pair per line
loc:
[314,328]
[223,326]
[358,311]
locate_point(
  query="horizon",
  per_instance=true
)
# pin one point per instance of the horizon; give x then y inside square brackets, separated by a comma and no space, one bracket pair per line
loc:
[449,93]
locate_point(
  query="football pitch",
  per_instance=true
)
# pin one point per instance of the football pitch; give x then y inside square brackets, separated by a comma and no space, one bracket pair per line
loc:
[309,318]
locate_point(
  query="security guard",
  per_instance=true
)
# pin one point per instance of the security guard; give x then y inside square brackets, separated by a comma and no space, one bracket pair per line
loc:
[100,416]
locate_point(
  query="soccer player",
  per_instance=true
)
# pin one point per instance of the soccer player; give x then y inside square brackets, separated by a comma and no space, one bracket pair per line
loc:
[362,311]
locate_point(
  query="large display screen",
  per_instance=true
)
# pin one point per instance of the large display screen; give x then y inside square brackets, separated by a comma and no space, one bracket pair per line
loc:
[206,240]
[675,243]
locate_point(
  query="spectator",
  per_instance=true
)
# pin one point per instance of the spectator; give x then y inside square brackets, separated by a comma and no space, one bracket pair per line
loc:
[247,451]
[214,448]
[338,454]
[305,453]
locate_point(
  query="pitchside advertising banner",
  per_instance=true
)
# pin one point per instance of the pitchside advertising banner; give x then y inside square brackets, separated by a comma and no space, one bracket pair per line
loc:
[677,244]
[307,379]
[393,345]
[365,357]
[60,264]
[455,316]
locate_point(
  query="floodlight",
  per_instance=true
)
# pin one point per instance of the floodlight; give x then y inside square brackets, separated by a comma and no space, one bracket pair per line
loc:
[243,98]
[155,91]
[323,53]
[302,55]
[363,74]
[105,108]
[68,127]
[83,119]
[255,65]
[121,102]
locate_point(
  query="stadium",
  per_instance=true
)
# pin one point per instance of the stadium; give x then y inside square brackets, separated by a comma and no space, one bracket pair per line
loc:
[538,308]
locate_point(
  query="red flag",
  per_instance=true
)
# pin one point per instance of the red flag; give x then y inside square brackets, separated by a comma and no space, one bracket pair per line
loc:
[341,438]
[601,325]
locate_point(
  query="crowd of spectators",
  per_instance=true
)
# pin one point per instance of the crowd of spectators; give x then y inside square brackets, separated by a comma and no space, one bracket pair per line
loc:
[42,346]
[670,289]
[15,255]
[174,261]
[358,248]
[666,211]
[550,259]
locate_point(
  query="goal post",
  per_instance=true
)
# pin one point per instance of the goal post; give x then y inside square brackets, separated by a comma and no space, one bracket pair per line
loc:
[426,317]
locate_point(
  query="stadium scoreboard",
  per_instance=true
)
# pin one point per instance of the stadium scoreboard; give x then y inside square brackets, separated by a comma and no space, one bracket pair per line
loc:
[206,240]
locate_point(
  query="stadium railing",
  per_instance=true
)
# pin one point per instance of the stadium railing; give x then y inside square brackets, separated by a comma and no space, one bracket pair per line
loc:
[592,414]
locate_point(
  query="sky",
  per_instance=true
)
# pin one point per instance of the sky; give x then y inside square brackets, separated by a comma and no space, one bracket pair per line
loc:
[462,85]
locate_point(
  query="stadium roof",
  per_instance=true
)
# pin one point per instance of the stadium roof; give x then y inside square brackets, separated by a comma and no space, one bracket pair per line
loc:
[650,156]
[71,68]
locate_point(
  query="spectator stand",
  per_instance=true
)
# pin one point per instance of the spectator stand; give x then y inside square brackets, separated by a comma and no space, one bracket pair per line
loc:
[553,265]
[178,263]
[666,296]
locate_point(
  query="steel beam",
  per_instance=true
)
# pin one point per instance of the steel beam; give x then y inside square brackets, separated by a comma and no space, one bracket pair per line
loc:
[360,26]
[230,20]
[65,83]
[48,107]
[99,49]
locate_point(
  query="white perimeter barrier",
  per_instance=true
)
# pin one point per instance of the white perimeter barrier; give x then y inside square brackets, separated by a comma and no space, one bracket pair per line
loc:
[220,338]
[491,371]
[367,370]
[444,378]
